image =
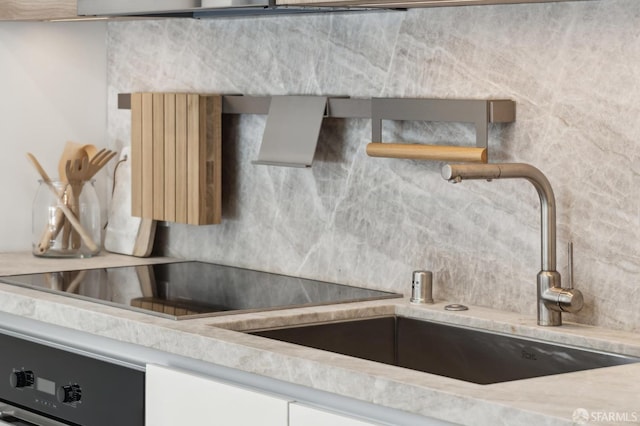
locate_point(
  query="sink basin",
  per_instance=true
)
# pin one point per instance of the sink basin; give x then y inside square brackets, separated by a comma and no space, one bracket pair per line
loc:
[461,353]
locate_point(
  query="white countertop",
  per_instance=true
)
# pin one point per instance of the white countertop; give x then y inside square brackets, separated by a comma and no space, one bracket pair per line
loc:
[606,393]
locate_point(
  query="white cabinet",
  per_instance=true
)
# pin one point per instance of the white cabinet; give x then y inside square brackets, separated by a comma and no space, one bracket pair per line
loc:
[175,397]
[303,415]
[178,397]
[37,9]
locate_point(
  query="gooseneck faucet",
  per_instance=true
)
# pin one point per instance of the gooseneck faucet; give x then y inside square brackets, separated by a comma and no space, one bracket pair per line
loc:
[552,299]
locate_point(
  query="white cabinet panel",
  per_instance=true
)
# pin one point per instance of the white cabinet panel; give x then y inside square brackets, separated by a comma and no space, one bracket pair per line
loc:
[180,398]
[302,415]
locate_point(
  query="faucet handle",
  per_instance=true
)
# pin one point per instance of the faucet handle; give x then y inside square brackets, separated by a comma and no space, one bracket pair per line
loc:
[562,299]
[570,299]
[570,264]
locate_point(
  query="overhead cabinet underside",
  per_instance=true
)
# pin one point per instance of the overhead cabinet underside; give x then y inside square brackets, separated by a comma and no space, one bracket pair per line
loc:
[409,3]
[38,10]
[207,8]
[24,10]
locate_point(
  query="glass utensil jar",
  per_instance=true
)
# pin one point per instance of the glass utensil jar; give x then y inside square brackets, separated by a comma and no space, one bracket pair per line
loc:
[66,220]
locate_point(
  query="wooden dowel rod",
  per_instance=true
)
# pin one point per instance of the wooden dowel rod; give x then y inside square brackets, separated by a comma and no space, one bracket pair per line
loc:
[427,152]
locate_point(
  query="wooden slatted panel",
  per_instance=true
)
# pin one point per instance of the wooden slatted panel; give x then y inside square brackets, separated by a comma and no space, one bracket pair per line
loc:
[179,172]
[136,154]
[170,157]
[213,143]
[195,179]
[158,156]
[181,158]
[147,155]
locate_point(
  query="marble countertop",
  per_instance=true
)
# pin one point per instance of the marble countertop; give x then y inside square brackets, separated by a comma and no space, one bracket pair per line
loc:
[609,395]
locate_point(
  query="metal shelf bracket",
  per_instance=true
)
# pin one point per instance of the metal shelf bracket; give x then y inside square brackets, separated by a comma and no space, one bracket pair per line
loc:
[477,111]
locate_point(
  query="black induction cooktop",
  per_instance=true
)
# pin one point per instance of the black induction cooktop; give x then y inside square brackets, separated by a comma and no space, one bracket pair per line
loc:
[182,290]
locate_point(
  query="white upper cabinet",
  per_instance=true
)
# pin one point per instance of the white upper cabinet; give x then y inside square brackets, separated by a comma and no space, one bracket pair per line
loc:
[37,10]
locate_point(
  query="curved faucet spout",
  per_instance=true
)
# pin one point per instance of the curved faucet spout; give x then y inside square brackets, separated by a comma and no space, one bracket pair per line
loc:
[552,298]
[458,172]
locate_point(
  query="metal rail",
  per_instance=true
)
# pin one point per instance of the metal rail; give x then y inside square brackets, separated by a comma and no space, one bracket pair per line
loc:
[480,112]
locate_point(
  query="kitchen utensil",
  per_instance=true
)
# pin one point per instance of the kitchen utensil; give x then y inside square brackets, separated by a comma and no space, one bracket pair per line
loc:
[44,207]
[86,172]
[83,170]
[51,232]
[70,217]
[72,151]
[76,172]
[98,161]
[80,171]
[48,235]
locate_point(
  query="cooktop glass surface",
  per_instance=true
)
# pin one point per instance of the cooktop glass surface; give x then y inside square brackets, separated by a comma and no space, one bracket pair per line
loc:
[190,289]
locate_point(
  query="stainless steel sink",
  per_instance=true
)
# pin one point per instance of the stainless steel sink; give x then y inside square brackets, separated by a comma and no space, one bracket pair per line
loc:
[461,353]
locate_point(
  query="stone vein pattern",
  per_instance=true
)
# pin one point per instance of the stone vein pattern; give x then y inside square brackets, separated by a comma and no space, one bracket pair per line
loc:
[573,69]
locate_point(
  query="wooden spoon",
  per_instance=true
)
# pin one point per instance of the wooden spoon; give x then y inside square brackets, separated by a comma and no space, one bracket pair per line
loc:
[72,151]
[76,172]
[79,172]
[50,233]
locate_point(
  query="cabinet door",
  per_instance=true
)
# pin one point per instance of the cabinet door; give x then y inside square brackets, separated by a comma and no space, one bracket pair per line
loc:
[37,9]
[302,415]
[176,397]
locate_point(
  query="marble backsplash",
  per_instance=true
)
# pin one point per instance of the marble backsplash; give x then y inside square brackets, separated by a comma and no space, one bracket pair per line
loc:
[573,69]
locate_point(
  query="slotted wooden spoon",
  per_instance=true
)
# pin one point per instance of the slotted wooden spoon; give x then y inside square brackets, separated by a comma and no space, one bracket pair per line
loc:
[80,171]
[75,171]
